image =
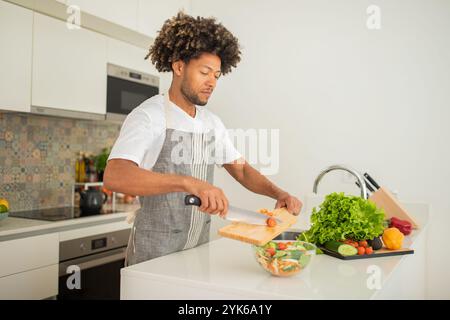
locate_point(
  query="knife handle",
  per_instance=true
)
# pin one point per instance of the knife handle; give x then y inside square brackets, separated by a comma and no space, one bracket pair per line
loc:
[191,200]
[369,185]
[373,182]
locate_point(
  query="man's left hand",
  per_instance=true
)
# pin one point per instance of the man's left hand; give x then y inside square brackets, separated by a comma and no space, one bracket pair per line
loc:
[291,203]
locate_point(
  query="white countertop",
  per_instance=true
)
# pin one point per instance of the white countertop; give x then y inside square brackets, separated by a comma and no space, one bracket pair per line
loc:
[228,267]
[13,228]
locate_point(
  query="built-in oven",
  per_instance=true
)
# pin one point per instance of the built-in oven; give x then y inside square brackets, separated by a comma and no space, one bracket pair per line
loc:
[126,89]
[89,267]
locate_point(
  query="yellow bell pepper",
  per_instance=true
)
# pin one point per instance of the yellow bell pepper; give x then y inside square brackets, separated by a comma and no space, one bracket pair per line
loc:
[393,238]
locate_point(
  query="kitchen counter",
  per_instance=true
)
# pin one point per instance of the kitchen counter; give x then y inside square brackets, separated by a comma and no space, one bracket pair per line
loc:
[226,269]
[16,228]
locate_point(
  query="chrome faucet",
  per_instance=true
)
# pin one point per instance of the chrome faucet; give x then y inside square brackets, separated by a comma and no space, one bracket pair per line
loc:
[362,184]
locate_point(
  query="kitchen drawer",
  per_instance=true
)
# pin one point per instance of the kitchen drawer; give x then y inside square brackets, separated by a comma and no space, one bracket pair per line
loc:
[28,253]
[36,284]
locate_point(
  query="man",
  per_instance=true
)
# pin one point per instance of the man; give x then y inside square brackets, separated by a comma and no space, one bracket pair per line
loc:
[168,145]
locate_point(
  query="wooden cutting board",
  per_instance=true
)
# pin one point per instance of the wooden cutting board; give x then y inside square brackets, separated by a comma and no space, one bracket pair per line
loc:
[258,235]
[392,208]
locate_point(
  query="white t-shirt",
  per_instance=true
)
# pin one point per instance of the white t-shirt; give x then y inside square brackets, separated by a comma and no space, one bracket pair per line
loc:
[143,132]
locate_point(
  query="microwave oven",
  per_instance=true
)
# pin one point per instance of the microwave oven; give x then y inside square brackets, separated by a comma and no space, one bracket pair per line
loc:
[127,89]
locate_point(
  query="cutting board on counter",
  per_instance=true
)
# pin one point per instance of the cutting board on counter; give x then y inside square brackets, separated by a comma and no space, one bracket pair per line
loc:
[383,252]
[392,208]
[256,234]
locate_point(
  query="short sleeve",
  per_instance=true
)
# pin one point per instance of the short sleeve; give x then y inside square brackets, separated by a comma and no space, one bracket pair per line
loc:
[225,152]
[135,138]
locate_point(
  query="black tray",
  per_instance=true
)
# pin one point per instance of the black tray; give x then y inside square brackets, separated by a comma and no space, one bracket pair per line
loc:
[383,252]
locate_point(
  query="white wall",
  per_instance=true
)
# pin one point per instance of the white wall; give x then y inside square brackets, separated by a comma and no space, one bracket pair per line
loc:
[144,16]
[377,100]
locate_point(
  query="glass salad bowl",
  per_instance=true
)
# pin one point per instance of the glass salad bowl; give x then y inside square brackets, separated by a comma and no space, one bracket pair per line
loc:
[284,258]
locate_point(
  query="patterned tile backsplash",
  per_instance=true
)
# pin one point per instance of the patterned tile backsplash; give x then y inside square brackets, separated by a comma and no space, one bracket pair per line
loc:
[38,153]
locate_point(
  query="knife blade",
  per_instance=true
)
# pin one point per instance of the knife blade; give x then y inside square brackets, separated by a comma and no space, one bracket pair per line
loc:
[242,215]
[372,181]
[236,214]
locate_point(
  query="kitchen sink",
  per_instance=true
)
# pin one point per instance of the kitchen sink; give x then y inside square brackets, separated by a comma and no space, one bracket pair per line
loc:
[288,235]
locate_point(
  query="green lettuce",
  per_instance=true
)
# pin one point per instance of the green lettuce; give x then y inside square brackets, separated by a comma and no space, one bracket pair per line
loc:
[343,217]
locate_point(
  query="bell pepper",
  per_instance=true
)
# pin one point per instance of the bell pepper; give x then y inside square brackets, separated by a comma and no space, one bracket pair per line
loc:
[393,238]
[404,226]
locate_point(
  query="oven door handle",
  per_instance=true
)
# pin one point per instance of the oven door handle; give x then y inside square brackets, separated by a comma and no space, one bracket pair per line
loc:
[92,261]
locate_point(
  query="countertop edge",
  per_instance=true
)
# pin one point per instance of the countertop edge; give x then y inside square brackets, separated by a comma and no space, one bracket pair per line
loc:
[60,226]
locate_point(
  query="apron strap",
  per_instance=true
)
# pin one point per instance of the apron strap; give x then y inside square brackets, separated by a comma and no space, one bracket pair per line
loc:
[167,113]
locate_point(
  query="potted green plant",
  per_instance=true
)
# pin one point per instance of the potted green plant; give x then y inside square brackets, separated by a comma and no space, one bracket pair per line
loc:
[100,162]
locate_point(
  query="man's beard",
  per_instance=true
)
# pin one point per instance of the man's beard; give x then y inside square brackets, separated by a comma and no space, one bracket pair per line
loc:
[190,95]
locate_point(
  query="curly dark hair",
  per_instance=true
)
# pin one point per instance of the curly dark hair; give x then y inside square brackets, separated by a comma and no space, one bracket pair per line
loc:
[184,37]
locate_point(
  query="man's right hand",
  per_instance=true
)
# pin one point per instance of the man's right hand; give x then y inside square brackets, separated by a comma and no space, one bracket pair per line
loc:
[213,199]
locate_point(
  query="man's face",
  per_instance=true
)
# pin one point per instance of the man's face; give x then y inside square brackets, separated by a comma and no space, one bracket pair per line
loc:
[200,78]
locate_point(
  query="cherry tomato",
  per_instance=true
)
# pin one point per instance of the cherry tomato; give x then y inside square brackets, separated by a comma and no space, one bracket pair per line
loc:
[282,246]
[271,251]
[271,222]
[361,250]
[369,250]
[363,243]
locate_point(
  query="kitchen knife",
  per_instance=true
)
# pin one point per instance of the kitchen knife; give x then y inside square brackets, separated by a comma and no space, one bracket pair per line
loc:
[235,214]
[369,185]
[372,181]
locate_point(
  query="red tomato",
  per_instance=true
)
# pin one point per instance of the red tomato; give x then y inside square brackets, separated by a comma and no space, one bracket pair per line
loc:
[271,251]
[361,250]
[271,222]
[363,243]
[369,250]
[282,246]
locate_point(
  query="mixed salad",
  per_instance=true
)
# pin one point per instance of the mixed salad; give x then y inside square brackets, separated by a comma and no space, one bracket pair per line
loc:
[284,258]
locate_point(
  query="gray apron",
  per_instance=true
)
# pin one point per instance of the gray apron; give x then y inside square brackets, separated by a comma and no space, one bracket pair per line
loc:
[164,224]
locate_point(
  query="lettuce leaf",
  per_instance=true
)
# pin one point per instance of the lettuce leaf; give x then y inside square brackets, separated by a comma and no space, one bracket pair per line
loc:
[343,217]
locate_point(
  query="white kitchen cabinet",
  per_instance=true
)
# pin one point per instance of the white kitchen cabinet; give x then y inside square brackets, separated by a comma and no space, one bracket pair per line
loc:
[69,67]
[152,14]
[35,284]
[127,55]
[16,30]
[29,268]
[122,12]
[28,253]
